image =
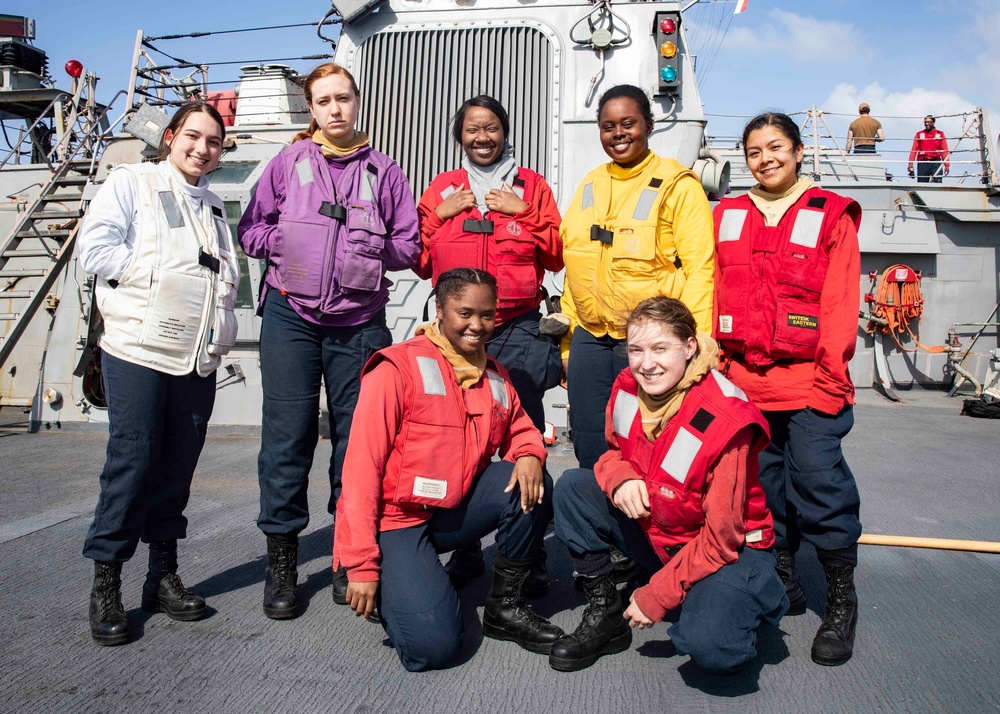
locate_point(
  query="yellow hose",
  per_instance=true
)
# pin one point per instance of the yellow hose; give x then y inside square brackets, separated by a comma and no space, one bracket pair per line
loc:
[976,546]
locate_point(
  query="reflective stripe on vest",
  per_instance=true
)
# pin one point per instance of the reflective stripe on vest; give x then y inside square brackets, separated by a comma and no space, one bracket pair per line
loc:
[681,455]
[430,374]
[304,170]
[368,185]
[805,232]
[499,388]
[728,388]
[731,226]
[447,191]
[644,204]
[626,407]
[588,196]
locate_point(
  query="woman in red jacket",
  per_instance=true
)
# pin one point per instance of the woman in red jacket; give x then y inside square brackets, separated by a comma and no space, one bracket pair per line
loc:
[677,491]
[419,479]
[496,216]
[786,304]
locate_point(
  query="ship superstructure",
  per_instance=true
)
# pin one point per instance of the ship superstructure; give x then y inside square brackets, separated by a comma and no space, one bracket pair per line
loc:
[547,61]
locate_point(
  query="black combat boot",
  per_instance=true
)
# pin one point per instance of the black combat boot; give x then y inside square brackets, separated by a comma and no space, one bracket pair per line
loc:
[537,582]
[507,617]
[340,586]
[602,631]
[108,625]
[623,569]
[789,575]
[834,642]
[163,590]
[465,564]
[281,577]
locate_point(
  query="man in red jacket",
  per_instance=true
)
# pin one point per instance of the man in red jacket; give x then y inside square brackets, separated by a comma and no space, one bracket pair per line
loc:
[930,151]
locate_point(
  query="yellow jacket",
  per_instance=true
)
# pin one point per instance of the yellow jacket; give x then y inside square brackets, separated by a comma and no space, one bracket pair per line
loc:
[657,239]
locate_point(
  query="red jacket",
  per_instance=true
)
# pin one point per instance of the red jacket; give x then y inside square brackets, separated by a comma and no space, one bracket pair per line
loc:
[517,252]
[418,441]
[930,146]
[699,519]
[787,298]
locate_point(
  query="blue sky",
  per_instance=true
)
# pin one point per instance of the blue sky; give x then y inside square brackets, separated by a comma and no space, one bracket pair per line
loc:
[904,57]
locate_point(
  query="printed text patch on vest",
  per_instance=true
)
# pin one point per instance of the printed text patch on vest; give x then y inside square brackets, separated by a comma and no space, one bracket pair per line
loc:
[808,322]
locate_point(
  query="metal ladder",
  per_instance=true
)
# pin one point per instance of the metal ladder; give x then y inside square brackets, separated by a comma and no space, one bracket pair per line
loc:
[39,246]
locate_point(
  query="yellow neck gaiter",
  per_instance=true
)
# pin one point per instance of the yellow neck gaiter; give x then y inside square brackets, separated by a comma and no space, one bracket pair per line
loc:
[360,141]
[466,372]
[657,411]
[773,206]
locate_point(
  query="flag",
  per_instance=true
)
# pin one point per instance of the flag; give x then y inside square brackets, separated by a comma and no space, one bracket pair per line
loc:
[741,5]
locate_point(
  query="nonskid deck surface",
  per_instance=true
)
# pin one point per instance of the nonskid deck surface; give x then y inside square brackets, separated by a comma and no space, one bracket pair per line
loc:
[928,639]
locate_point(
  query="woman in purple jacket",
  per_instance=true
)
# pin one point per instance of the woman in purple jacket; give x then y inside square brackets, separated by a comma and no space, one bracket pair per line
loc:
[330,215]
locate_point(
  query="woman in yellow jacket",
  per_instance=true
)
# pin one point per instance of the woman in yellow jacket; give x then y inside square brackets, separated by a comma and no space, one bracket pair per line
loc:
[638,226]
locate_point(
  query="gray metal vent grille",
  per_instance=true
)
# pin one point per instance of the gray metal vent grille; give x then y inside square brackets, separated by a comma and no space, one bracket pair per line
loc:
[413,81]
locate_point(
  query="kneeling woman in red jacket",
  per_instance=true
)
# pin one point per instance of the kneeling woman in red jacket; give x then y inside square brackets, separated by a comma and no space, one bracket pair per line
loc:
[678,493]
[418,480]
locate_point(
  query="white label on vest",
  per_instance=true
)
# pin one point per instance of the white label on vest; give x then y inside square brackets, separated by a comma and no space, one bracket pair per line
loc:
[727,387]
[626,407]
[305,172]
[430,375]
[725,324]
[588,196]
[499,388]
[731,227]
[172,319]
[805,232]
[430,487]
[447,191]
[755,536]
[681,455]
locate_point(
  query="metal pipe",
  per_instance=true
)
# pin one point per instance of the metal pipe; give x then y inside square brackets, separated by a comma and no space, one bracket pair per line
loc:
[975,546]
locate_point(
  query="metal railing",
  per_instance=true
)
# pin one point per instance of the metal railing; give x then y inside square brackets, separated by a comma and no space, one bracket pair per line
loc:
[971,157]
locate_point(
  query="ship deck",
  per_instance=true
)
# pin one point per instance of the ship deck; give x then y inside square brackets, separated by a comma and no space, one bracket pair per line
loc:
[927,641]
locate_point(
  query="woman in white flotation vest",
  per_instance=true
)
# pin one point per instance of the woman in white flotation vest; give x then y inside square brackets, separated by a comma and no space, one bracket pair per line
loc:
[167,275]
[786,303]
[677,491]
[496,216]
[330,215]
[638,226]
[419,479]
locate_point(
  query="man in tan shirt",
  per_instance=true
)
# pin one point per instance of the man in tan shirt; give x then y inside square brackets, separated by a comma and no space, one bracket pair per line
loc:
[864,132]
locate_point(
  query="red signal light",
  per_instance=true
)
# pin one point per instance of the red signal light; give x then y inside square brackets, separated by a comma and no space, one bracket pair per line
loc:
[668,26]
[74,68]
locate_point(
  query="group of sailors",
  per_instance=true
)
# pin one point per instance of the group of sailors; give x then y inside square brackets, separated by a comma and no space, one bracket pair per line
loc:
[705,362]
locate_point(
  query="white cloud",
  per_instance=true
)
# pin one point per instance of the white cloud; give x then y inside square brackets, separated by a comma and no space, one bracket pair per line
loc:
[805,39]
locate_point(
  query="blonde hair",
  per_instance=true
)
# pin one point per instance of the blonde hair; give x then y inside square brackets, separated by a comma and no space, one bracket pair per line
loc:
[327,69]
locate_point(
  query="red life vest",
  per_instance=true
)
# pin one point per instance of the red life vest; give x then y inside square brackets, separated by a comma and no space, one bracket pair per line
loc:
[496,243]
[426,466]
[674,467]
[767,293]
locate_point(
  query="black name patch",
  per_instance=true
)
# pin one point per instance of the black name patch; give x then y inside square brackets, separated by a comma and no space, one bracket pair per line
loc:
[808,322]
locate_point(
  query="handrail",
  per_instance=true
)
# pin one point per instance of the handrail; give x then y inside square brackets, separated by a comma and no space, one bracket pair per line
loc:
[27,134]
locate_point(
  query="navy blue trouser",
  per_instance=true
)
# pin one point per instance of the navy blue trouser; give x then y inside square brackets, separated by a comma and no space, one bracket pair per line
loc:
[156,428]
[419,606]
[295,356]
[930,171]
[594,364]
[720,614]
[810,490]
[532,362]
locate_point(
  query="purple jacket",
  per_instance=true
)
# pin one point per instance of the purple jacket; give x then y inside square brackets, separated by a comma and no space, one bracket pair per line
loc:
[329,229]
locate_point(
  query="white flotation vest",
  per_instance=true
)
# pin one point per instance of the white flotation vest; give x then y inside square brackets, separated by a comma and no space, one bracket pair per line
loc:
[172,309]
